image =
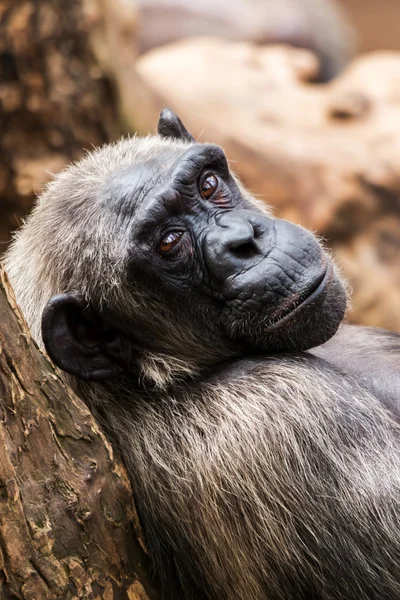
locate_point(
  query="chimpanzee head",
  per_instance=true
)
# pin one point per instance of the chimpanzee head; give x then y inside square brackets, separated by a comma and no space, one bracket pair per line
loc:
[148,257]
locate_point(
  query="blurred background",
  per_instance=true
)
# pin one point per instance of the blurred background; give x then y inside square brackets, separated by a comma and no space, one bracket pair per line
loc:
[304,96]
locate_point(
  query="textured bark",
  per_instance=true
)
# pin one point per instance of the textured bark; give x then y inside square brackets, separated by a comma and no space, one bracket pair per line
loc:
[326,156]
[68,526]
[55,99]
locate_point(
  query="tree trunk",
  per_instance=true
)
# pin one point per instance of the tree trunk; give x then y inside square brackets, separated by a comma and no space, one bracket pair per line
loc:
[55,99]
[68,526]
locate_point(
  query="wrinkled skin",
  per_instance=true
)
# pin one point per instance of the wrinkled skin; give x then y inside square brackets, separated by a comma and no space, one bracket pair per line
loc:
[252,278]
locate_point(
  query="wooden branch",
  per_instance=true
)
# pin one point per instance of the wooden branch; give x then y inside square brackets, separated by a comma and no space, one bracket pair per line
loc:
[68,526]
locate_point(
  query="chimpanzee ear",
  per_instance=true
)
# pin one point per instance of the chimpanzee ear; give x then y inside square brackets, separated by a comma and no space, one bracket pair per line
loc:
[170,126]
[79,342]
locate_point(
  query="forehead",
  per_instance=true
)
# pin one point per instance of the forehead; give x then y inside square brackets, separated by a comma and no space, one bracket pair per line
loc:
[129,184]
[147,177]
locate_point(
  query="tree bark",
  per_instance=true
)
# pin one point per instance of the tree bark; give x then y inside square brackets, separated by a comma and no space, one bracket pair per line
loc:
[68,526]
[55,98]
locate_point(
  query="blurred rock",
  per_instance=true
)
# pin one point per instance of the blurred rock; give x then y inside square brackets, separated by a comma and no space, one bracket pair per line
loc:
[326,156]
[318,25]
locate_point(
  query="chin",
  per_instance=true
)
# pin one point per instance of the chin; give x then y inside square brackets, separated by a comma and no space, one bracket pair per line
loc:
[308,323]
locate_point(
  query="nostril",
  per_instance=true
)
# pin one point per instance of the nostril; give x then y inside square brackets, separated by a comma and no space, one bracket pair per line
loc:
[258,231]
[244,250]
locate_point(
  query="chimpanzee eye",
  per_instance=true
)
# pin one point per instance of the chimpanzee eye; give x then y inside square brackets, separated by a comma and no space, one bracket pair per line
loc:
[170,241]
[208,186]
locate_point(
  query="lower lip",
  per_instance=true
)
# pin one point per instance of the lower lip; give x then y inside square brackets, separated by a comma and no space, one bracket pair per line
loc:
[309,299]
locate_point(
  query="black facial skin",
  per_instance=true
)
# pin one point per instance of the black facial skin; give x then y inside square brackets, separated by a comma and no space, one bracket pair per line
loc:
[257,280]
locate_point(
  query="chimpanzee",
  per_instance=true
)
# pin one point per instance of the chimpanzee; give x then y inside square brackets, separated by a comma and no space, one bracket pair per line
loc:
[184,314]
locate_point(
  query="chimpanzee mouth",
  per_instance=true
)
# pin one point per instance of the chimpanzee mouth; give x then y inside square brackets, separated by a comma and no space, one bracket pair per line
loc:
[309,295]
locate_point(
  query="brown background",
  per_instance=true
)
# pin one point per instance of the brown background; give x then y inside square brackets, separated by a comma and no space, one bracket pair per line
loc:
[377,23]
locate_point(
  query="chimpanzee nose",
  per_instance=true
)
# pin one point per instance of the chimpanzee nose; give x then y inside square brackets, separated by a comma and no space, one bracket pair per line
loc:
[239,240]
[234,243]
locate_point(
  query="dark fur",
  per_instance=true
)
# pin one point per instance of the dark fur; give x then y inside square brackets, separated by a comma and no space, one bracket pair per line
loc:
[268,477]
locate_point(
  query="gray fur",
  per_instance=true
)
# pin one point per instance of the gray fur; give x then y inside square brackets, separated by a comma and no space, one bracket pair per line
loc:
[263,479]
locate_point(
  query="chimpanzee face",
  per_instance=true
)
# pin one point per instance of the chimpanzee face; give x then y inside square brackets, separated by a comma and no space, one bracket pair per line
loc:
[200,251]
